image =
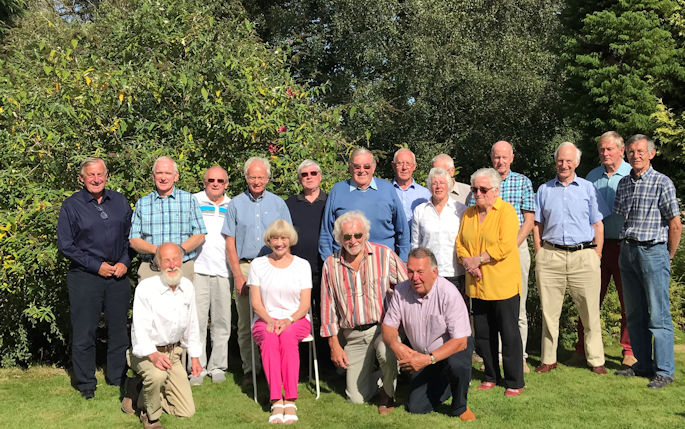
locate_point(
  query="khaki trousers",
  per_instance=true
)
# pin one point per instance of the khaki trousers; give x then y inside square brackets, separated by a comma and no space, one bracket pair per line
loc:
[144,271]
[167,391]
[242,305]
[363,350]
[580,270]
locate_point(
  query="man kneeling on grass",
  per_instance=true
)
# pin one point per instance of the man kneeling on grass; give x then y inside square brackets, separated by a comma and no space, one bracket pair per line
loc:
[164,324]
[434,317]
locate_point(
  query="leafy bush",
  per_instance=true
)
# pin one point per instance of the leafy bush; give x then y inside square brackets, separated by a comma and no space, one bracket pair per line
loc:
[143,78]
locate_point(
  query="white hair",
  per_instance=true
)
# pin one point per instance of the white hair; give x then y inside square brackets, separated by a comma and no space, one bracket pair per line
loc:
[254,159]
[495,178]
[567,144]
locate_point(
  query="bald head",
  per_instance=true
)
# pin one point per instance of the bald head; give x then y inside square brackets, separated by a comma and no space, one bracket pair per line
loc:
[502,155]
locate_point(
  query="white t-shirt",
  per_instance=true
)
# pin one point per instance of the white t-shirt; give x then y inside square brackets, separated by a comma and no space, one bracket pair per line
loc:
[280,287]
[211,257]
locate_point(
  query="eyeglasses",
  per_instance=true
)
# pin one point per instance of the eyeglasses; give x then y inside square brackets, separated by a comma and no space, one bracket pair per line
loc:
[311,173]
[357,235]
[482,189]
[216,180]
[362,166]
[103,214]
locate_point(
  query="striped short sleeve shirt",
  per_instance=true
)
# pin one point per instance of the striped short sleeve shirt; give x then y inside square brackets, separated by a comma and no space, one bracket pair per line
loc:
[647,203]
[174,218]
[351,297]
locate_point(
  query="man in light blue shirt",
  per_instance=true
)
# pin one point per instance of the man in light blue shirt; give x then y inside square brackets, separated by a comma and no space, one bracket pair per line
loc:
[410,193]
[568,237]
[249,214]
[374,197]
[605,178]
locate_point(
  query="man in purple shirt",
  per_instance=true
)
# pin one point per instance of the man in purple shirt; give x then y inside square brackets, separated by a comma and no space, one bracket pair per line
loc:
[434,317]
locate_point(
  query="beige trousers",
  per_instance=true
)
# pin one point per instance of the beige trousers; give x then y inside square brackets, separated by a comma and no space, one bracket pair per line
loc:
[144,271]
[580,270]
[363,350]
[167,391]
[242,305]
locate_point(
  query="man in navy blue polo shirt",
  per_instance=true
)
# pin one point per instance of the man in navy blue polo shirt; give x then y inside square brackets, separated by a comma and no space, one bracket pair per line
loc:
[92,232]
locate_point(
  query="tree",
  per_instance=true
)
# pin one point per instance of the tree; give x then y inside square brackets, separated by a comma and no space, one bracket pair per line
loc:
[139,79]
[434,75]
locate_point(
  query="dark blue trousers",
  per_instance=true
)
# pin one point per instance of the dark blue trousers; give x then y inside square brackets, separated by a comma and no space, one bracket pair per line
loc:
[89,296]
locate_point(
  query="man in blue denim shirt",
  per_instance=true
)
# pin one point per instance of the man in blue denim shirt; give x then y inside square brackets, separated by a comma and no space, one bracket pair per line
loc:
[651,233]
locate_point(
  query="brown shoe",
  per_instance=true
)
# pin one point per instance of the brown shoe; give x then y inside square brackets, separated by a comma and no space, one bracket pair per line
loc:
[150,424]
[601,370]
[543,368]
[132,388]
[629,360]
[386,404]
[467,415]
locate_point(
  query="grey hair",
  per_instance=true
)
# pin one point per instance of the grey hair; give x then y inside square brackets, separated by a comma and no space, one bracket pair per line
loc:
[90,161]
[613,136]
[178,246]
[308,163]
[424,252]
[215,166]
[164,158]
[567,144]
[495,178]
[346,218]
[438,172]
[361,151]
[253,159]
[397,152]
[443,157]
[638,137]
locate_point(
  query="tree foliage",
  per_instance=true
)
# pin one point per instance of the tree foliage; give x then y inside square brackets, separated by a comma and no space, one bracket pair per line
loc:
[434,75]
[144,78]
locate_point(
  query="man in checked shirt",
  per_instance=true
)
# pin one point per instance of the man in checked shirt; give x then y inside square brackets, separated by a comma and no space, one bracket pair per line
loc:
[356,283]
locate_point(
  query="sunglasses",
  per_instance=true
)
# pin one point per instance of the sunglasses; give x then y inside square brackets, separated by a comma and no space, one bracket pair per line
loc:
[482,189]
[357,235]
[362,166]
[103,214]
[216,180]
[311,173]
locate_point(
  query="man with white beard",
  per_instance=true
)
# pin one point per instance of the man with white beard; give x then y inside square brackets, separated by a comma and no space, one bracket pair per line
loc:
[164,324]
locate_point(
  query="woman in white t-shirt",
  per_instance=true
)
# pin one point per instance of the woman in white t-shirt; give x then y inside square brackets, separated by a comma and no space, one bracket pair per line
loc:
[280,287]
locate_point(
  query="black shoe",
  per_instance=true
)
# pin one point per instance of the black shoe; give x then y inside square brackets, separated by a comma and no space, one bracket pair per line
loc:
[88,394]
[626,372]
[659,381]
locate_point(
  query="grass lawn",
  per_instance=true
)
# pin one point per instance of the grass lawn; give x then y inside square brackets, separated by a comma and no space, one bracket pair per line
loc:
[568,397]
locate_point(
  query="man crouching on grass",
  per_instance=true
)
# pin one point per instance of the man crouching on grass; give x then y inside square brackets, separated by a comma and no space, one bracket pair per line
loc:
[434,317]
[164,324]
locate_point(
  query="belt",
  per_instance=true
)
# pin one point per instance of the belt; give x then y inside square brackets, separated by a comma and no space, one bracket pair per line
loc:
[639,243]
[168,348]
[246,260]
[574,247]
[365,327]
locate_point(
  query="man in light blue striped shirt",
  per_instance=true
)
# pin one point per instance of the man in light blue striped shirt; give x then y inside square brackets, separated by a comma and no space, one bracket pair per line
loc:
[166,214]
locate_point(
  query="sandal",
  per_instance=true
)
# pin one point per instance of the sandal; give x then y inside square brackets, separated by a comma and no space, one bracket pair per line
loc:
[275,416]
[289,418]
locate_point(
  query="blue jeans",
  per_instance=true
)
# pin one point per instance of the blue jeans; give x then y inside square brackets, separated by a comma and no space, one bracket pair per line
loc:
[646,270]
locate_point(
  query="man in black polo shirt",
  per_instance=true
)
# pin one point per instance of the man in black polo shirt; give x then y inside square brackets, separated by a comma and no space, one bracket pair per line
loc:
[92,232]
[306,210]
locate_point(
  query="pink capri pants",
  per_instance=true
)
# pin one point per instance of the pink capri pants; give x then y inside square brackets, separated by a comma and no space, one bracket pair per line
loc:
[281,356]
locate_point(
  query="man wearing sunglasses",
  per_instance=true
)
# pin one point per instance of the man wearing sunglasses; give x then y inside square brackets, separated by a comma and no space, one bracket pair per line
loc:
[374,197]
[167,214]
[92,232]
[568,236]
[306,210]
[212,279]
[355,285]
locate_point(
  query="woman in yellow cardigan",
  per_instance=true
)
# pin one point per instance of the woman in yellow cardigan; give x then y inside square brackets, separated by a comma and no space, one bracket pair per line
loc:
[486,246]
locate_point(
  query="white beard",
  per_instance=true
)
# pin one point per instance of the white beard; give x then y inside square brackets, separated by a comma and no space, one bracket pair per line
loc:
[171,276]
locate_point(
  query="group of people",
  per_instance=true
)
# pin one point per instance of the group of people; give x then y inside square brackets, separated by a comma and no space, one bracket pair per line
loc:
[401,275]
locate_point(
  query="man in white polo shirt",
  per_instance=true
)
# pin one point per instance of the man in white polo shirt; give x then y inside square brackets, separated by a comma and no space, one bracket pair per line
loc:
[212,278]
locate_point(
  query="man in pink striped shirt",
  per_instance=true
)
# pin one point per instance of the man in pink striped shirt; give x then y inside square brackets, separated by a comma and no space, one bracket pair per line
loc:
[356,283]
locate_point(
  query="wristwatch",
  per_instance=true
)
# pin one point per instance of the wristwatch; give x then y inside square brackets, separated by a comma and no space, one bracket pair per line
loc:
[482,261]
[291,319]
[432,358]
